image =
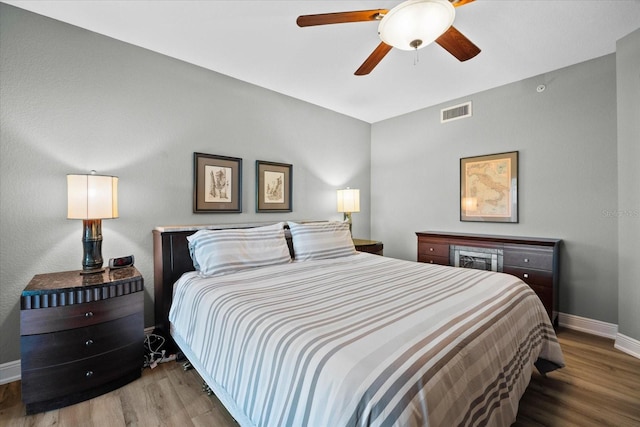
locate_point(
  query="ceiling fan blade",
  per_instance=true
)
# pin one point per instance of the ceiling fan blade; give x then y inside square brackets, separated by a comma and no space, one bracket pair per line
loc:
[340,17]
[376,56]
[458,3]
[454,42]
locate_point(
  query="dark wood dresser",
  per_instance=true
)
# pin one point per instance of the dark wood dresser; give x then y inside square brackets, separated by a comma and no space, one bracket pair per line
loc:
[80,336]
[534,260]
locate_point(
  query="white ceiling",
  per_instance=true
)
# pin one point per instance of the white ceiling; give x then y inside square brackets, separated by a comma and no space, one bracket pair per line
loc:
[260,43]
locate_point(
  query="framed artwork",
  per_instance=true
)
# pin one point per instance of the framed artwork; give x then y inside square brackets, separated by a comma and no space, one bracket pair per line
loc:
[217,183]
[273,186]
[489,188]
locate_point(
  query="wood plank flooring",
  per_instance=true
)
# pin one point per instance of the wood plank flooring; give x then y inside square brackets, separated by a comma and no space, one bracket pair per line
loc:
[600,386]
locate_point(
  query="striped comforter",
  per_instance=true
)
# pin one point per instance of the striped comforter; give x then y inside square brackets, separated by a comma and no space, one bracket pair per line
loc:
[364,340]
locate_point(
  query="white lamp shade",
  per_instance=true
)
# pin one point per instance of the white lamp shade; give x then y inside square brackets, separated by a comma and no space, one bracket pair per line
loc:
[416,20]
[349,200]
[92,197]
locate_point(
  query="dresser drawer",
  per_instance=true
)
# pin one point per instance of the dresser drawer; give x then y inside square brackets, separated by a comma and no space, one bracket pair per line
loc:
[545,294]
[433,249]
[431,259]
[528,257]
[44,320]
[80,343]
[531,277]
[84,374]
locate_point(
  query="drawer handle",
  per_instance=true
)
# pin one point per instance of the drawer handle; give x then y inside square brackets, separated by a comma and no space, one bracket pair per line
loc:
[431,249]
[89,342]
[88,314]
[88,374]
[430,261]
[526,275]
[526,260]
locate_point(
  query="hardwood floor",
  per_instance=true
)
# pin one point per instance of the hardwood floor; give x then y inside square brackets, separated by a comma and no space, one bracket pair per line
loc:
[600,386]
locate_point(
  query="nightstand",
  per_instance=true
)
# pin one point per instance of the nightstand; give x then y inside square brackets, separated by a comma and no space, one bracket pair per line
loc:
[80,336]
[370,246]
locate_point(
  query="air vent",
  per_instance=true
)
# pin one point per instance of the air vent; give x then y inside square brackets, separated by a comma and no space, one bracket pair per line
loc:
[456,112]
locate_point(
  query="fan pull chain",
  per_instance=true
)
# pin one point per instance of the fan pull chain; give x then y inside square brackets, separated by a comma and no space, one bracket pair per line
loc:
[416,44]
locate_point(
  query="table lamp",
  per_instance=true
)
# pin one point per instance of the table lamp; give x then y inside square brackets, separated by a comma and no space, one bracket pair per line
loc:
[348,202]
[92,198]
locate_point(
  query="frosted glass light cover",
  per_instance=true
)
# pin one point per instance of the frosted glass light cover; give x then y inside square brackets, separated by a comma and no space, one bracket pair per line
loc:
[423,20]
[92,197]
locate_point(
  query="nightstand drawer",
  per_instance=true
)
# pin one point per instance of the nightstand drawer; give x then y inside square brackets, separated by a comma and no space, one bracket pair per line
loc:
[62,380]
[44,320]
[541,259]
[80,343]
[433,249]
[369,246]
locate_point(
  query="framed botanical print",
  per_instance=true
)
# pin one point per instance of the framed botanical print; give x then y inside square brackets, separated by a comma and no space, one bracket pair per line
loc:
[489,188]
[273,186]
[217,183]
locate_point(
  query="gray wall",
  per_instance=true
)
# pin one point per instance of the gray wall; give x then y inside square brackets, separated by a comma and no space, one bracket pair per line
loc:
[72,101]
[628,72]
[566,138]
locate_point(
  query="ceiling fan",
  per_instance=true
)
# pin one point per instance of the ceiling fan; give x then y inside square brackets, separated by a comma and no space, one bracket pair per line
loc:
[411,25]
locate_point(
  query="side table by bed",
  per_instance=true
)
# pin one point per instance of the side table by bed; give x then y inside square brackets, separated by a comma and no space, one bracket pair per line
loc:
[370,246]
[80,336]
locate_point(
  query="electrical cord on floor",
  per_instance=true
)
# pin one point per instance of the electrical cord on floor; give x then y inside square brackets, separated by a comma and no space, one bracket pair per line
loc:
[153,352]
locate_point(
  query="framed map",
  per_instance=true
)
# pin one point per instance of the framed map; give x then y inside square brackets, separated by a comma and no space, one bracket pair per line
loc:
[489,188]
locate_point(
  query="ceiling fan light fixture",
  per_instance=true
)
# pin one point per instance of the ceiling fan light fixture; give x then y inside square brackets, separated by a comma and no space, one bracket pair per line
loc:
[414,24]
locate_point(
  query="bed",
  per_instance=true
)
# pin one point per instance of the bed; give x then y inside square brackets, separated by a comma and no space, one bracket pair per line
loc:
[341,338]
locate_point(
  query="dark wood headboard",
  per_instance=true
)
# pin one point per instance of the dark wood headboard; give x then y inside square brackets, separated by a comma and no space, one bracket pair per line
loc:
[171,259]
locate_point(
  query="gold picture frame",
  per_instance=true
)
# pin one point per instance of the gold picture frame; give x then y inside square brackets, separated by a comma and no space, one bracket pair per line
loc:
[217,183]
[489,188]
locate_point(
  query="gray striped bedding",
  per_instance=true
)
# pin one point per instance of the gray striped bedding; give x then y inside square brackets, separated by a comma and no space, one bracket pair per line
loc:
[364,340]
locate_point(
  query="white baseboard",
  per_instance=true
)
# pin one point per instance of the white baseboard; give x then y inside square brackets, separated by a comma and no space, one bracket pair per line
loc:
[623,343]
[628,345]
[10,372]
[590,326]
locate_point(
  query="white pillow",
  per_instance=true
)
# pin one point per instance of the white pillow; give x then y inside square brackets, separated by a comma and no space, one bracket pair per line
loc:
[230,250]
[321,240]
